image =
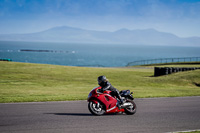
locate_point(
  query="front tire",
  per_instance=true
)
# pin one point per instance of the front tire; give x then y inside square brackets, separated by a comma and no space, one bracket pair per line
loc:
[131,109]
[96,108]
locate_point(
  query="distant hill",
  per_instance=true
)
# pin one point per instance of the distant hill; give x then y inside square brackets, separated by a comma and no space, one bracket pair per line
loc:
[122,36]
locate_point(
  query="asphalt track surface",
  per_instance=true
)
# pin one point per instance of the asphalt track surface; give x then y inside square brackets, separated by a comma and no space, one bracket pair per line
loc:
[154,115]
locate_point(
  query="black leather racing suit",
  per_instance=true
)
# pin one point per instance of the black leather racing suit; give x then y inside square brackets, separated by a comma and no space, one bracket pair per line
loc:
[114,92]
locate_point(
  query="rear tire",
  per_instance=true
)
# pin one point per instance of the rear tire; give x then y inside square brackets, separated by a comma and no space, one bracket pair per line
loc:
[132,109]
[96,109]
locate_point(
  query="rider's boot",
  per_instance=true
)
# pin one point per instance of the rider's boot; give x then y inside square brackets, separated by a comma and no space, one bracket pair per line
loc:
[120,103]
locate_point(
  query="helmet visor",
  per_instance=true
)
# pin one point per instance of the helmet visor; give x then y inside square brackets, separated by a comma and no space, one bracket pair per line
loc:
[99,82]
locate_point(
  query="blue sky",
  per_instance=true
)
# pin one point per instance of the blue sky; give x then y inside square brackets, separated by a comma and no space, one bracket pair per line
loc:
[180,17]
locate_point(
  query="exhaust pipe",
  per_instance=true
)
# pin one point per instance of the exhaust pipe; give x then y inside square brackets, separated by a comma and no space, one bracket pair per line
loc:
[126,105]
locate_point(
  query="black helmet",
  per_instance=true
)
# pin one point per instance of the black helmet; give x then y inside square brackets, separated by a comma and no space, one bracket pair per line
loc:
[101,80]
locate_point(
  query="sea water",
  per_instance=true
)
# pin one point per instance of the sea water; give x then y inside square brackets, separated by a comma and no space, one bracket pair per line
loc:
[92,55]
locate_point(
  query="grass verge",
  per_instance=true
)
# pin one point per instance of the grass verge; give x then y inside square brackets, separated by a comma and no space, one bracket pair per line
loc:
[26,82]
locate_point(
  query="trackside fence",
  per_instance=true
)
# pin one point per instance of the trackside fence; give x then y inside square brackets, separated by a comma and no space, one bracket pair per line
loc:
[163,61]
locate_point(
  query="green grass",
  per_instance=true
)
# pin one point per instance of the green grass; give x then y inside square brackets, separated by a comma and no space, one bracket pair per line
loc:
[25,82]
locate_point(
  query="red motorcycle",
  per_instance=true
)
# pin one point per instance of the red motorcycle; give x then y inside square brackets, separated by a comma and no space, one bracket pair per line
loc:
[103,103]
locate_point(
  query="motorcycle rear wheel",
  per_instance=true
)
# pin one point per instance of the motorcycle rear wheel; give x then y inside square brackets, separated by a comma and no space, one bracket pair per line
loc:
[96,109]
[132,109]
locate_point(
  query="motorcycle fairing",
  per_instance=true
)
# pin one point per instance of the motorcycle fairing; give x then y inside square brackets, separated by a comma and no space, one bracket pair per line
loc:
[107,100]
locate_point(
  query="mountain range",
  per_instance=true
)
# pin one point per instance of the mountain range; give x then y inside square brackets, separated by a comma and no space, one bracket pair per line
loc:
[122,36]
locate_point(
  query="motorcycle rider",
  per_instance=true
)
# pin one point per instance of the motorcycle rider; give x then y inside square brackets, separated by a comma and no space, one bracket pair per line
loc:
[106,85]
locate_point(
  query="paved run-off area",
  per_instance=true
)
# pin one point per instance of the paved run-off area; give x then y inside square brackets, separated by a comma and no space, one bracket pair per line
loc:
[154,115]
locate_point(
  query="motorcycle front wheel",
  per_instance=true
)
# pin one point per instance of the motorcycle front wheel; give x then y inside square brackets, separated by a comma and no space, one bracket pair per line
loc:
[96,108]
[131,109]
